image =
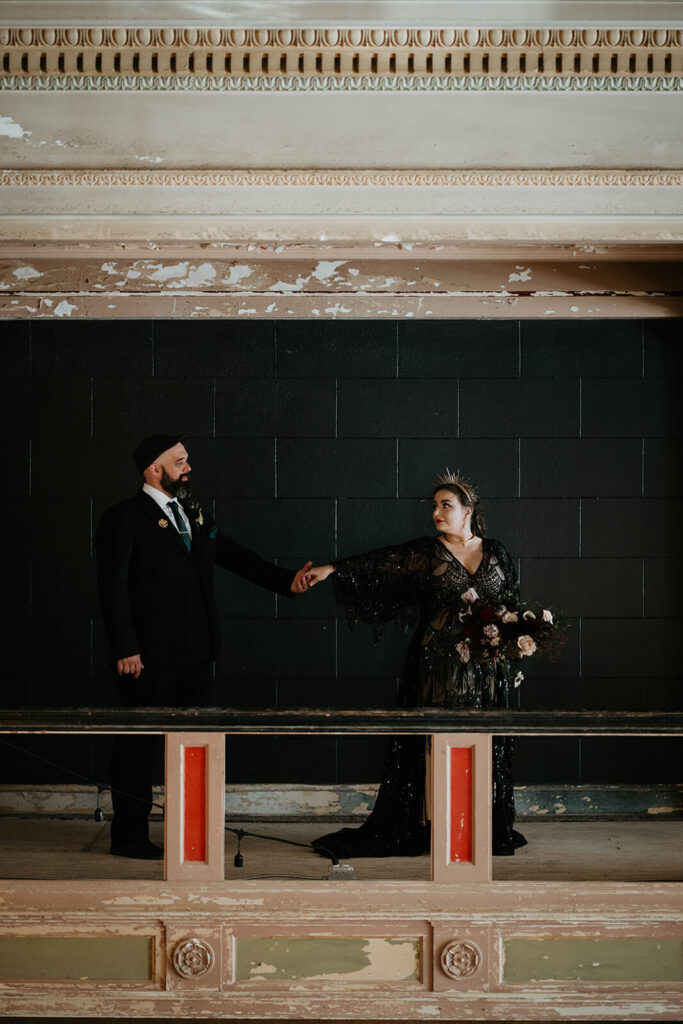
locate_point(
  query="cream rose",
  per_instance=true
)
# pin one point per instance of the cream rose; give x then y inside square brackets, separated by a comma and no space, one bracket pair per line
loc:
[510,617]
[492,634]
[528,615]
[547,616]
[470,595]
[464,651]
[526,645]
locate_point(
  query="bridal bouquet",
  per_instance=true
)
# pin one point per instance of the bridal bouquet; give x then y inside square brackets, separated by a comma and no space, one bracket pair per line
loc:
[511,630]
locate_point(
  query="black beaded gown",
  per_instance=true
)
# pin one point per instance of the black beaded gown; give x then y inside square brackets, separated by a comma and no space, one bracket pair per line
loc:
[388,585]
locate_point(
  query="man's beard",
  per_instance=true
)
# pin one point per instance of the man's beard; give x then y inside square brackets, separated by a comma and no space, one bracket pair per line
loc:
[178,488]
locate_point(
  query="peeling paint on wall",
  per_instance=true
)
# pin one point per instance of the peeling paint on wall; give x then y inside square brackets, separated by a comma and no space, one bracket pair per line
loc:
[327,959]
[11,129]
[523,275]
[237,273]
[26,273]
[326,268]
[65,308]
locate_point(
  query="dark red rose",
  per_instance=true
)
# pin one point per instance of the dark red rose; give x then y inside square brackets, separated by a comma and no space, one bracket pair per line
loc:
[487,613]
[470,630]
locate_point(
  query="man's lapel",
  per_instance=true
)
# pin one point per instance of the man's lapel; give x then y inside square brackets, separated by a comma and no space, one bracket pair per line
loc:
[162,521]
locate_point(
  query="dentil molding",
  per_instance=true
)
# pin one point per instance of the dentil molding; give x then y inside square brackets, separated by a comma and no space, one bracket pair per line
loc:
[314,59]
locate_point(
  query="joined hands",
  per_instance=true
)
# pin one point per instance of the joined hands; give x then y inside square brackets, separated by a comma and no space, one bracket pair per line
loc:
[308,575]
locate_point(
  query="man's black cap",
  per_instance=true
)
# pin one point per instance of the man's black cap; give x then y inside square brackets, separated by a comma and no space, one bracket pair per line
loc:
[152,447]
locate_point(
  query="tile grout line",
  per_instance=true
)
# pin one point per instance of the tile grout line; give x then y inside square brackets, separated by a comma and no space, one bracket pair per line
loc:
[397,463]
[519,467]
[519,348]
[642,493]
[336,648]
[336,524]
[336,408]
[396,453]
[397,367]
[457,410]
[275,466]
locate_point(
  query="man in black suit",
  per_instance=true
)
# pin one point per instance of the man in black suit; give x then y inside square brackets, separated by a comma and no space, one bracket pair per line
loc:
[155,558]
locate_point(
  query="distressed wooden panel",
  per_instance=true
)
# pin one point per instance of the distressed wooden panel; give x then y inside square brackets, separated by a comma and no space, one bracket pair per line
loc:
[76,958]
[195,806]
[429,274]
[338,306]
[593,960]
[299,925]
[346,959]
[461,807]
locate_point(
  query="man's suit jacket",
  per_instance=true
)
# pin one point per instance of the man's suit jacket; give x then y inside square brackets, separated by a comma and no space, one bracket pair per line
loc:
[157,598]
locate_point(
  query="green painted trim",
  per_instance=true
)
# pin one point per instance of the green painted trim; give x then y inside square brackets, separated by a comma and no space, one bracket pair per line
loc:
[325,959]
[593,960]
[70,958]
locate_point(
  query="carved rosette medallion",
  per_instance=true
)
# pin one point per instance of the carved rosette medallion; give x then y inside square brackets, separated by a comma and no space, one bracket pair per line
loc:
[460,959]
[192,958]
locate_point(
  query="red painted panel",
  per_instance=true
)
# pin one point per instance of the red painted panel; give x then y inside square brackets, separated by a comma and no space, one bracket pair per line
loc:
[194,803]
[461,804]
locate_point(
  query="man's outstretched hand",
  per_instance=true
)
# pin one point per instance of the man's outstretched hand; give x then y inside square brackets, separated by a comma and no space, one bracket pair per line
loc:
[301,581]
[130,666]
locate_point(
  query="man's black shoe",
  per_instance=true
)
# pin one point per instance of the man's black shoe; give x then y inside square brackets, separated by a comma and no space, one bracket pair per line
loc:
[138,851]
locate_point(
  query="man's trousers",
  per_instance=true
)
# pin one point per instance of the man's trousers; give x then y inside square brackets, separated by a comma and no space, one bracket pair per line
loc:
[133,756]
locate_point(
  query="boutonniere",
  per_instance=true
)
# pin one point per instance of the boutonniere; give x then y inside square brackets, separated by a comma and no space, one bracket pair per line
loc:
[163,523]
[197,514]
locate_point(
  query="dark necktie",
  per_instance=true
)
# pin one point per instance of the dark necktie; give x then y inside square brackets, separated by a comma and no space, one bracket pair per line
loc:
[180,523]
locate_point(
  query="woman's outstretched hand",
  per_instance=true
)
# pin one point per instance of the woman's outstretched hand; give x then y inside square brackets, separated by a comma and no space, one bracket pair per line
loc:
[319,573]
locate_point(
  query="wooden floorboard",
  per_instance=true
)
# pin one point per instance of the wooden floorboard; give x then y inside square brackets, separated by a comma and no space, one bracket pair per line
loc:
[638,851]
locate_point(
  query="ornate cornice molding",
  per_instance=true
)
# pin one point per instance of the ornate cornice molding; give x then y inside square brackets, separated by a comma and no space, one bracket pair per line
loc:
[342,178]
[264,38]
[322,83]
[288,59]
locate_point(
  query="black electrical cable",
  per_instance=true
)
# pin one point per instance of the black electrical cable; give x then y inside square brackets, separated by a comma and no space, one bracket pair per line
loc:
[241,833]
[99,815]
[101,788]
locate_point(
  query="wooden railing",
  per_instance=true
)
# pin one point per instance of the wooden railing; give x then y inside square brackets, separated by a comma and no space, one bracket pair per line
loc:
[460,775]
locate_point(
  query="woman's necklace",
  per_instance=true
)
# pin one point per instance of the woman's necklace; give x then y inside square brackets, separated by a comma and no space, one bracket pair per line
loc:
[460,543]
[462,550]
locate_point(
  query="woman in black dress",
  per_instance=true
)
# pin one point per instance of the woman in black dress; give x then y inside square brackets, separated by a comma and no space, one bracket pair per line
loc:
[430,574]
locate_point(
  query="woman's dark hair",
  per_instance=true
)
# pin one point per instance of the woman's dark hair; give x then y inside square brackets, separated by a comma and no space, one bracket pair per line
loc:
[467,496]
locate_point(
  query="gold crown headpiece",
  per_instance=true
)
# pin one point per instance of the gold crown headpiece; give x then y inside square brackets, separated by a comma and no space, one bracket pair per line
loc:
[449,477]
